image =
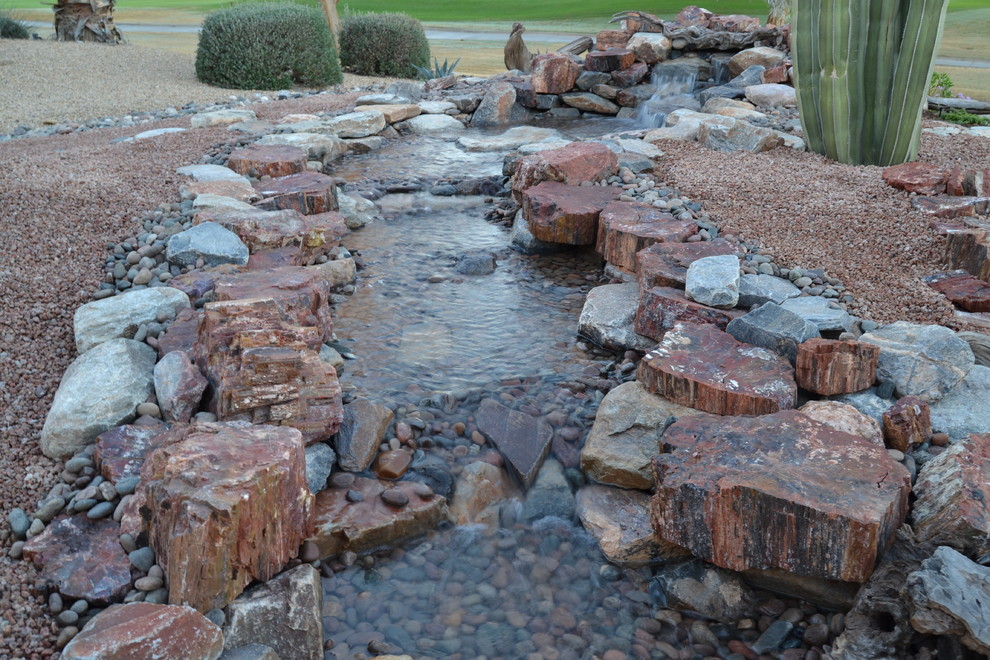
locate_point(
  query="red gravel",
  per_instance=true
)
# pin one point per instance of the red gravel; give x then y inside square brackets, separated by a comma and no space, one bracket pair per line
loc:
[809,212]
[62,199]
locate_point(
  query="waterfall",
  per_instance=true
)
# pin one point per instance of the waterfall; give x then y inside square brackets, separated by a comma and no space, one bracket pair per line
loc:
[675,86]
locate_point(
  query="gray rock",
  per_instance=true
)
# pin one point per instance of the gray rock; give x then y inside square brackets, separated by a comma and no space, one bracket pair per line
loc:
[772,327]
[428,124]
[361,433]
[550,494]
[699,587]
[950,595]
[326,148]
[921,360]
[218,117]
[380,99]
[866,402]
[496,106]
[772,95]
[437,107]
[818,311]
[142,559]
[330,355]
[356,124]
[728,134]
[144,135]
[608,316]
[250,652]
[179,386]
[209,241]
[714,281]
[964,409]
[338,272]
[19,523]
[319,464]
[513,138]
[357,210]
[523,240]
[120,316]
[49,508]
[477,263]
[219,203]
[760,289]
[720,92]
[101,389]
[409,91]
[589,79]
[211,173]
[773,637]
[626,435]
[285,614]
[751,75]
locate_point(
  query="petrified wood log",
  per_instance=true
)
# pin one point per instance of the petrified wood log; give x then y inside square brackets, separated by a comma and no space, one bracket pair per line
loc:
[558,213]
[272,160]
[778,491]
[661,308]
[571,164]
[625,228]
[701,367]
[962,289]
[827,366]
[967,250]
[306,192]
[666,264]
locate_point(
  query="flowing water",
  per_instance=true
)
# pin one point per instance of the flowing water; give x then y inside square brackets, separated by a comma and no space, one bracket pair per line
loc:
[674,89]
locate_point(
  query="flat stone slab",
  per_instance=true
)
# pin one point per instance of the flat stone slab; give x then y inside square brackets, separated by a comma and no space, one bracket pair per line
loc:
[122,315]
[432,124]
[219,117]
[926,361]
[272,160]
[830,367]
[778,491]
[522,439]
[203,173]
[356,124]
[915,177]
[760,289]
[624,438]
[962,289]
[701,367]
[394,112]
[145,631]
[608,316]
[818,311]
[619,520]
[370,523]
[559,213]
[309,236]
[625,228]
[571,164]
[82,558]
[666,264]
[947,206]
[661,308]
[772,327]
[513,138]
[319,146]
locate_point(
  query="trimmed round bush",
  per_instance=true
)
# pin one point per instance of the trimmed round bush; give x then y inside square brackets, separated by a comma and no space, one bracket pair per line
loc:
[267,45]
[11,28]
[383,45]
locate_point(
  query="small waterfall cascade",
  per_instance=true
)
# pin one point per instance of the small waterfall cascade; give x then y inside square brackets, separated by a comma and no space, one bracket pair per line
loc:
[720,69]
[674,90]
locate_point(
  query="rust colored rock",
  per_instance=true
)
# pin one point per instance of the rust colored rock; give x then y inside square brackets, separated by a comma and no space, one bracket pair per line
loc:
[199,282]
[701,367]
[82,558]
[369,524]
[625,228]
[607,61]
[224,506]
[522,439]
[827,366]
[964,290]
[301,293]
[778,491]
[144,631]
[559,213]
[272,160]
[692,15]
[554,73]
[968,250]
[307,237]
[306,192]
[733,23]
[631,75]
[776,74]
[607,39]
[952,505]
[570,164]
[481,489]
[619,520]
[661,308]
[120,452]
[955,182]
[666,264]
[952,207]
[919,178]
[843,417]
[392,464]
[907,423]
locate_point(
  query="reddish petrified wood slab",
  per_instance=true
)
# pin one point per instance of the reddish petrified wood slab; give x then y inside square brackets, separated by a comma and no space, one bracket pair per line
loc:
[272,160]
[951,207]
[309,235]
[182,333]
[625,228]
[701,367]
[606,61]
[558,213]
[907,423]
[570,164]
[827,366]
[964,290]
[919,178]
[967,250]
[779,491]
[120,452]
[661,308]
[306,192]
[666,264]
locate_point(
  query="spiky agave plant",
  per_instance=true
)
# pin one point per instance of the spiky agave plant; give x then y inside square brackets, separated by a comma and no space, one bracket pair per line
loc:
[861,69]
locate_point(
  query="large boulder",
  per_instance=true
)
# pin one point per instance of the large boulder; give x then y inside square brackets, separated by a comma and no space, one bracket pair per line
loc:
[554,73]
[772,327]
[778,491]
[921,360]
[759,56]
[208,241]
[145,631]
[818,310]
[227,504]
[772,95]
[513,138]
[759,289]
[714,281]
[845,418]
[625,435]
[963,411]
[101,389]
[608,315]
[496,106]
[357,124]
[285,614]
[619,520]
[121,316]
[572,164]
[727,134]
[650,47]
[272,160]
[218,117]
[560,213]
[318,146]
[704,368]
[431,124]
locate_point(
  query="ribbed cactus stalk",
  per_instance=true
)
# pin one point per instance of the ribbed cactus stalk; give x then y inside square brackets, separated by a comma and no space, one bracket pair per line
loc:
[861,69]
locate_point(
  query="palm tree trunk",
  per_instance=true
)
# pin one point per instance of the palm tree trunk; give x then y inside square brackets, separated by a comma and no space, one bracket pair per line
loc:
[85,20]
[333,18]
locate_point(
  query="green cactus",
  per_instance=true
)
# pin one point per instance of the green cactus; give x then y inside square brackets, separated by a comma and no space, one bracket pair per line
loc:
[861,69]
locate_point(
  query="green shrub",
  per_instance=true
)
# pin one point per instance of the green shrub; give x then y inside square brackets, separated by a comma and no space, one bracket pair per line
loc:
[940,86]
[11,27]
[958,116]
[267,45]
[383,45]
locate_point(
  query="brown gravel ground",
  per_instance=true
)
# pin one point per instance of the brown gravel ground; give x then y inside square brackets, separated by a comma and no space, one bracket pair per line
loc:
[810,212]
[62,199]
